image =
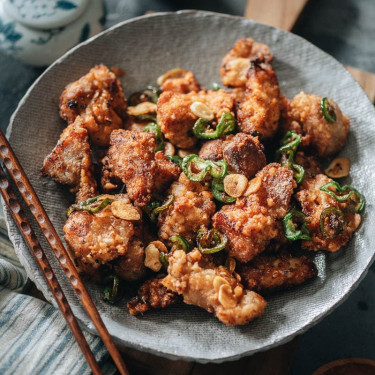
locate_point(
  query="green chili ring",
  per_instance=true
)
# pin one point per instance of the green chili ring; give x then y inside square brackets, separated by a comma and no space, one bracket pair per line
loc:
[89,205]
[175,159]
[291,140]
[218,169]
[327,110]
[111,292]
[199,163]
[179,243]
[328,212]
[168,202]
[152,127]
[226,125]
[213,236]
[163,258]
[219,193]
[290,231]
[360,206]
[299,173]
[149,210]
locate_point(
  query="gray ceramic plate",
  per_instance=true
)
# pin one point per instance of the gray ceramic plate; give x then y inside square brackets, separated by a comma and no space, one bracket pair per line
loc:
[146,47]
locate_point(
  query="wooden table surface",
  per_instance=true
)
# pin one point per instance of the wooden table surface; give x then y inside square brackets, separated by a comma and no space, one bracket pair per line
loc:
[283,14]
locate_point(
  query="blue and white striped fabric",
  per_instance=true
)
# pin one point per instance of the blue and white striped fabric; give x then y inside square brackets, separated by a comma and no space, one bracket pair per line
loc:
[34,337]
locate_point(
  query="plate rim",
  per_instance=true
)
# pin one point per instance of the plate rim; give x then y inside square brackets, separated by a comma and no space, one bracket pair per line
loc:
[167,354]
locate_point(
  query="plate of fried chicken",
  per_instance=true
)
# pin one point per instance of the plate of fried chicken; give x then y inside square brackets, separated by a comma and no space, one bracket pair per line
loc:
[211,177]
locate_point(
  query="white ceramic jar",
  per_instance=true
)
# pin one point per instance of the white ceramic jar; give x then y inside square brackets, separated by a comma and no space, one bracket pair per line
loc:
[37,32]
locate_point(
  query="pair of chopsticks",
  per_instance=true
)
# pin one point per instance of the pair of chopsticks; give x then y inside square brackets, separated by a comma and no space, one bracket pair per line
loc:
[22,183]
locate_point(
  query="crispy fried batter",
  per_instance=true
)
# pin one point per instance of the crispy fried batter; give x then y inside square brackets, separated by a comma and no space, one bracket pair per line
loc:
[303,114]
[259,112]
[192,208]
[98,238]
[98,98]
[166,172]
[268,273]
[236,62]
[310,164]
[70,162]
[253,221]
[130,266]
[313,201]
[213,288]
[182,85]
[152,295]
[132,159]
[176,118]
[242,152]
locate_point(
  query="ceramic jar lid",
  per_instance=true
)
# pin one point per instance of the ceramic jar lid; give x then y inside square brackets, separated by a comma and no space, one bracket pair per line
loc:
[45,14]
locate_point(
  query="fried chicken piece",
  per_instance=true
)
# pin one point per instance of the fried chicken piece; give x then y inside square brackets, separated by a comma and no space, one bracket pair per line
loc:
[310,164]
[313,201]
[70,162]
[259,112]
[303,114]
[268,273]
[192,208]
[254,220]
[242,152]
[176,118]
[236,62]
[98,238]
[152,295]
[131,158]
[130,266]
[108,181]
[213,288]
[166,172]
[98,98]
[183,84]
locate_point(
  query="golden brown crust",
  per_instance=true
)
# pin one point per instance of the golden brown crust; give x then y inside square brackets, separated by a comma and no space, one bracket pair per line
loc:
[176,118]
[236,62]
[98,98]
[131,159]
[313,201]
[166,172]
[310,164]
[183,85]
[70,162]
[253,221]
[130,266]
[213,288]
[244,154]
[212,150]
[268,273]
[152,295]
[98,238]
[259,112]
[192,208]
[303,114]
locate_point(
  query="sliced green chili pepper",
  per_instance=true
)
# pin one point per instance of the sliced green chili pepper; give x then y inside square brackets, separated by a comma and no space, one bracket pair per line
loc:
[111,292]
[168,202]
[291,139]
[149,210]
[226,125]
[150,94]
[211,241]
[290,227]
[327,110]
[336,221]
[215,86]
[92,205]
[146,117]
[219,193]
[353,193]
[152,127]
[217,169]
[176,159]
[179,243]
[164,260]
[299,173]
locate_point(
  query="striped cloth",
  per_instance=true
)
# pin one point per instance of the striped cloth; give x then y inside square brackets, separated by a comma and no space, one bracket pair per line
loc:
[34,337]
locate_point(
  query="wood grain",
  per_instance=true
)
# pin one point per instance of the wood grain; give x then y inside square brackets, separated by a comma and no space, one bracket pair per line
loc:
[278,13]
[284,15]
[28,194]
[41,260]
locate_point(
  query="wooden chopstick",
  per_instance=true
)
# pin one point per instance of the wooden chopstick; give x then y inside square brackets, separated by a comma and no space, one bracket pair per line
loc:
[27,192]
[33,244]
